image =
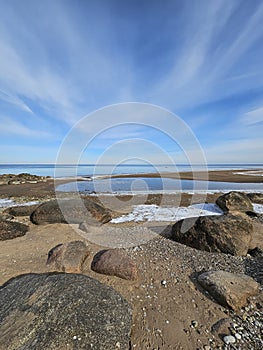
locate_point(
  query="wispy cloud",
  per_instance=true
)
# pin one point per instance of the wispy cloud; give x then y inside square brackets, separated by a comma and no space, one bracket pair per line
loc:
[11,127]
[253,117]
[62,60]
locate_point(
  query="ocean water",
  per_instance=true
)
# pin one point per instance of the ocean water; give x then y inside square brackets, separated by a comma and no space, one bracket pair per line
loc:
[155,185]
[69,170]
[131,185]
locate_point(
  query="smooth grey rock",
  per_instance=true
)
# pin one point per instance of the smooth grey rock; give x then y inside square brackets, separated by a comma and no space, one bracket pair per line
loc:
[62,311]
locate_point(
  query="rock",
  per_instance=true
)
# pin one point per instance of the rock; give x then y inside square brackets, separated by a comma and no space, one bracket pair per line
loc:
[234,201]
[222,327]
[230,234]
[73,211]
[229,289]
[62,311]
[68,257]
[14,179]
[83,226]
[21,210]
[11,229]
[255,197]
[256,252]
[115,262]
[5,216]
[229,339]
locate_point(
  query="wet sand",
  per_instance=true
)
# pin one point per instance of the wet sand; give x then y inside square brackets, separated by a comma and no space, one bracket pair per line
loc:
[214,175]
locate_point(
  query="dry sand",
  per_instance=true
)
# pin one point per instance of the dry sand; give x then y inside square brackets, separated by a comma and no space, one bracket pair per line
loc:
[162,316]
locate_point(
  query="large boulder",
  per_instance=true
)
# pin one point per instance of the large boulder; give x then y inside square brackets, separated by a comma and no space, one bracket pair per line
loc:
[73,211]
[62,311]
[230,234]
[234,201]
[21,210]
[11,230]
[229,289]
[115,262]
[68,257]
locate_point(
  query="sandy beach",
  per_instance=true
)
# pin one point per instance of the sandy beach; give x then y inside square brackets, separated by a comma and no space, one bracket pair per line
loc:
[163,316]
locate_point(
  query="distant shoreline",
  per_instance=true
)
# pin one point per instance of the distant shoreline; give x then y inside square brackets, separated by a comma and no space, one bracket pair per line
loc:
[237,176]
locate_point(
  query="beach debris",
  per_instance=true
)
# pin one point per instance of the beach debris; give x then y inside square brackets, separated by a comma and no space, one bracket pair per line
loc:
[229,289]
[71,310]
[72,211]
[115,262]
[230,234]
[12,229]
[234,201]
[68,257]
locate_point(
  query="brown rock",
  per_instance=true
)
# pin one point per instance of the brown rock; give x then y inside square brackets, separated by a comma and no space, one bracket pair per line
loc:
[72,211]
[230,234]
[21,210]
[229,289]
[234,201]
[68,257]
[11,229]
[222,327]
[5,216]
[115,262]
[256,197]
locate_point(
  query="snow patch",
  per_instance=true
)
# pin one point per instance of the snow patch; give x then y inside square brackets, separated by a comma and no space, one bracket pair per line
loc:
[250,173]
[155,213]
[258,208]
[5,203]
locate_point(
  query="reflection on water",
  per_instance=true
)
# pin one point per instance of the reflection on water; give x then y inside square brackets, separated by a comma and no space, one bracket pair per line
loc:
[142,185]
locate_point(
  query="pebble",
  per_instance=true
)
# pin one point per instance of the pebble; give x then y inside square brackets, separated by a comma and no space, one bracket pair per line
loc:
[237,336]
[164,283]
[194,323]
[229,339]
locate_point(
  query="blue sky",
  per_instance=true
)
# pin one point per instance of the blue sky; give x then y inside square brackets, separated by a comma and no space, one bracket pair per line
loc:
[62,60]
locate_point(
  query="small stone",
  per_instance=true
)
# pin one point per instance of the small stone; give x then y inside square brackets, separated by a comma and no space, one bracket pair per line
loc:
[164,283]
[229,339]
[194,323]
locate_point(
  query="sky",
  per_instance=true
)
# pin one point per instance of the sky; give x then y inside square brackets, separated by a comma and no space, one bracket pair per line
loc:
[63,62]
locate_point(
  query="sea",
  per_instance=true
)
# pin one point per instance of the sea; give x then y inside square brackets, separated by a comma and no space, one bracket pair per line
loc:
[95,183]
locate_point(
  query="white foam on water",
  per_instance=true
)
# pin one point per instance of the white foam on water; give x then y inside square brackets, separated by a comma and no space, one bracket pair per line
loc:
[156,213]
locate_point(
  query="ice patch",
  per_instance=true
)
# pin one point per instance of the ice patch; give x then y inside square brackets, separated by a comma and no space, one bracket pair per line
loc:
[5,203]
[250,173]
[258,208]
[156,213]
